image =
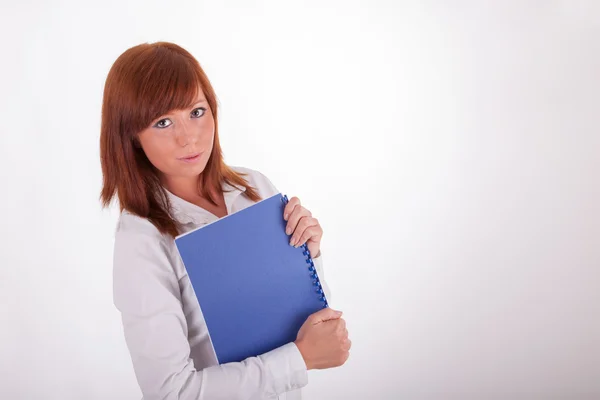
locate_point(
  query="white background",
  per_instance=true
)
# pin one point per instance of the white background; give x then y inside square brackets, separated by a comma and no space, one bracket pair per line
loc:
[449,149]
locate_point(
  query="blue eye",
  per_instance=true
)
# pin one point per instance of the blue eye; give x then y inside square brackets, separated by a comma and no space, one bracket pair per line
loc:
[162,126]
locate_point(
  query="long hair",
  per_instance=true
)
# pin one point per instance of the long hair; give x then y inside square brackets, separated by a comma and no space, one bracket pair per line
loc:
[145,82]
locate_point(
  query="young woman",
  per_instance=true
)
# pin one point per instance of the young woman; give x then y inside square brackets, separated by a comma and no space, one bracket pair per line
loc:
[161,158]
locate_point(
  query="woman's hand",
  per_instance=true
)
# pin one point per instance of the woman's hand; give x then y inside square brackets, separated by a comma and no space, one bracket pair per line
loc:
[323,340]
[303,227]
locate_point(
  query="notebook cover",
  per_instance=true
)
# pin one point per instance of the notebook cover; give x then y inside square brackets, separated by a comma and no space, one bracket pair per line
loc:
[254,289]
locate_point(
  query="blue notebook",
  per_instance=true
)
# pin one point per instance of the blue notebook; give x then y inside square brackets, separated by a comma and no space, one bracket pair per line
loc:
[254,289]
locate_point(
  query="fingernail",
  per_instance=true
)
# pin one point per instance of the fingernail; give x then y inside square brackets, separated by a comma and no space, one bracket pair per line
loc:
[291,242]
[285,216]
[288,231]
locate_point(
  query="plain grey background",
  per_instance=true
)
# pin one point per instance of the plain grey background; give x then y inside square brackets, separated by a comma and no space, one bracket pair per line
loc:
[450,150]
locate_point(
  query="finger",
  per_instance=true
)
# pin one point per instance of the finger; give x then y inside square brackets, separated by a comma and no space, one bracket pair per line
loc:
[307,228]
[306,220]
[346,356]
[323,315]
[297,213]
[289,207]
[347,345]
[312,232]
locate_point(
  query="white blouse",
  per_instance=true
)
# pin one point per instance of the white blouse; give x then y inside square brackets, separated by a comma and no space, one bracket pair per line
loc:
[163,324]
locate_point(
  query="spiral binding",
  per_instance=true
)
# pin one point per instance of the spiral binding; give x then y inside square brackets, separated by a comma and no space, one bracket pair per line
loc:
[311,268]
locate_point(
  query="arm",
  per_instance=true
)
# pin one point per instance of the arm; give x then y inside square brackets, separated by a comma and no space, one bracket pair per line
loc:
[146,292]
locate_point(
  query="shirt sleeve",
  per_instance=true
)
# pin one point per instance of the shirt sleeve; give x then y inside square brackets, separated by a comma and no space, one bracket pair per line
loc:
[146,292]
[318,262]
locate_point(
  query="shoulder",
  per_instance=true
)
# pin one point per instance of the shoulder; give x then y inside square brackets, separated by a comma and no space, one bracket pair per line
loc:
[133,229]
[139,247]
[258,180]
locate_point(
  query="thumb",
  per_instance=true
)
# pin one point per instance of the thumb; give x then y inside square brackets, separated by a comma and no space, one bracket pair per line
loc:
[325,315]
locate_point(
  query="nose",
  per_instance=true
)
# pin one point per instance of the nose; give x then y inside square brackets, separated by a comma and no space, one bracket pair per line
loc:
[186,134]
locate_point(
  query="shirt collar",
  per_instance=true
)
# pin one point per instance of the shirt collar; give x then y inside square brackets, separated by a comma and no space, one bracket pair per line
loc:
[186,212]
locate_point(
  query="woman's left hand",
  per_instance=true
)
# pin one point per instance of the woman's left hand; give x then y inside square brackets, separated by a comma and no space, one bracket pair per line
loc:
[303,227]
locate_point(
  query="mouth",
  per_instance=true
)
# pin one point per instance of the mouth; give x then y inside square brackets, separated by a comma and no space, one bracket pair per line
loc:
[191,158]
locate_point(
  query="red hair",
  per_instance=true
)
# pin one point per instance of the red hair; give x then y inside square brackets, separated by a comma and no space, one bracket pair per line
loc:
[145,82]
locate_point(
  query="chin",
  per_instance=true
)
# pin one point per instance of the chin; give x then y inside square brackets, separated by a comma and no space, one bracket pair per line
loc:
[190,172]
[193,171]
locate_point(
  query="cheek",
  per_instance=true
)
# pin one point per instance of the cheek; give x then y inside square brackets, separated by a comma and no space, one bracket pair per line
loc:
[159,154]
[208,132]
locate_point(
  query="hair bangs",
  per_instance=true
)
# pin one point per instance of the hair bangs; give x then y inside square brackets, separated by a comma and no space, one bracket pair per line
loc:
[169,82]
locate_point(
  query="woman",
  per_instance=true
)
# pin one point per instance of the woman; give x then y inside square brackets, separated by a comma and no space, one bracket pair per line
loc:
[161,157]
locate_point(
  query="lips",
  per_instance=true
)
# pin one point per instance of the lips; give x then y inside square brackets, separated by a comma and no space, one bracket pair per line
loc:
[190,157]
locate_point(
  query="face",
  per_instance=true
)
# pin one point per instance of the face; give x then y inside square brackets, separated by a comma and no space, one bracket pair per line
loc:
[172,138]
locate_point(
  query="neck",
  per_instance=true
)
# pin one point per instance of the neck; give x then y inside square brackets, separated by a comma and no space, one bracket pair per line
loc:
[184,187]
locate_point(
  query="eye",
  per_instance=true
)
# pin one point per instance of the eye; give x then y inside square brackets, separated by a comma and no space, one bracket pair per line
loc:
[199,108]
[160,125]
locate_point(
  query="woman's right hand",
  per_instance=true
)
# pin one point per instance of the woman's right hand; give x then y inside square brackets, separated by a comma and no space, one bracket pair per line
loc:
[323,340]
